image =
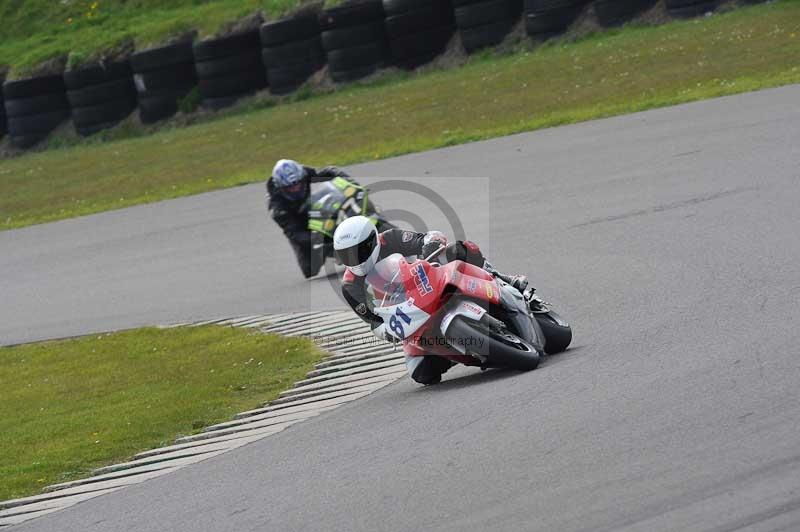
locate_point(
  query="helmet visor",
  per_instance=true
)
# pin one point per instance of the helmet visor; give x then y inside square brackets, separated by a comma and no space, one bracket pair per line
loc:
[293,192]
[358,254]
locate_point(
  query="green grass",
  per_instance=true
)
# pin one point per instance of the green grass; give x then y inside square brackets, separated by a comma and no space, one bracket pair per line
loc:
[612,73]
[73,405]
[34,31]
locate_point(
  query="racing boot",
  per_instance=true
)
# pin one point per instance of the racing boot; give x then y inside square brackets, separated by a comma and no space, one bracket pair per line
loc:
[520,282]
[535,303]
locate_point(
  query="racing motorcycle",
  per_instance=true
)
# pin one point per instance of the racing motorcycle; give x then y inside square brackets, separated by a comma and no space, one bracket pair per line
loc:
[331,204]
[461,312]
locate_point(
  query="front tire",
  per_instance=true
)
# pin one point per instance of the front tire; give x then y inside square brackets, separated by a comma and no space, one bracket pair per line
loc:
[499,346]
[557,337]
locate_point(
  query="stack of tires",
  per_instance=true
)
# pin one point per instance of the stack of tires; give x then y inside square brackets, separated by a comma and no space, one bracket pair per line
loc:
[162,77]
[483,23]
[354,40]
[228,68]
[34,108]
[3,127]
[417,30]
[100,96]
[547,18]
[291,51]
[615,12]
[690,8]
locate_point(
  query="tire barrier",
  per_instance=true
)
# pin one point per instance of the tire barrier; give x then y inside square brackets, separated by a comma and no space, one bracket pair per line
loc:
[291,52]
[354,40]
[615,12]
[3,126]
[163,76]
[228,68]
[100,96]
[548,18]
[690,8]
[34,107]
[484,23]
[417,30]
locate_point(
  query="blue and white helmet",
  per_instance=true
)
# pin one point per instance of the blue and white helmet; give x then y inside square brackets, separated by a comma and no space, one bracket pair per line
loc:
[288,179]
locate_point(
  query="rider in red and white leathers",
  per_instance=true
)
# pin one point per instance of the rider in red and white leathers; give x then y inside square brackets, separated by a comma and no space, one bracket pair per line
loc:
[359,246]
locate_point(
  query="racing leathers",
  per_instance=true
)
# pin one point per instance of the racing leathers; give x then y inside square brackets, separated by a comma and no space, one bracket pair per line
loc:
[427,369]
[292,217]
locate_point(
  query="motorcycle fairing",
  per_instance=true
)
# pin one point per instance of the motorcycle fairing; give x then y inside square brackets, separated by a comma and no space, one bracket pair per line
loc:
[516,309]
[402,320]
[326,205]
[429,280]
[419,316]
[469,310]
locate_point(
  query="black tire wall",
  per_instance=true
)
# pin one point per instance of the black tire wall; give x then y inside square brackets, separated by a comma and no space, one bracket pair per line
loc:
[354,40]
[615,12]
[3,126]
[690,8]
[484,23]
[34,107]
[162,77]
[417,31]
[548,18]
[100,95]
[228,68]
[291,52]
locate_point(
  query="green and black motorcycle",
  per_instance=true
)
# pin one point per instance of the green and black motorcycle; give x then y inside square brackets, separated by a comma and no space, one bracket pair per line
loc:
[335,201]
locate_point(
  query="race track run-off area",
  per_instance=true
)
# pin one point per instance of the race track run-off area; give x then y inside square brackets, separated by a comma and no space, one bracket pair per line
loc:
[668,239]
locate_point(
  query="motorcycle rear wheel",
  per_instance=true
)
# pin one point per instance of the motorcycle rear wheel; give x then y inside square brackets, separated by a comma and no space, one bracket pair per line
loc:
[501,348]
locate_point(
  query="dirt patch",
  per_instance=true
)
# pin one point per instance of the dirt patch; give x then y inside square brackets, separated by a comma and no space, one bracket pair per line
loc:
[453,56]
[120,52]
[307,8]
[516,40]
[50,67]
[251,22]
[655,16]
[189,35]
[584,25]
[7,151]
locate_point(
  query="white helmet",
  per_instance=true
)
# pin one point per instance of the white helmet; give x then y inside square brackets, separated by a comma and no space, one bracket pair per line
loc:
[356,244]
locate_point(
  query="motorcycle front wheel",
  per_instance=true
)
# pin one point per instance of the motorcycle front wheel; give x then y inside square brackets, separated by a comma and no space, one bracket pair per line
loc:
[557,332]
[499,346]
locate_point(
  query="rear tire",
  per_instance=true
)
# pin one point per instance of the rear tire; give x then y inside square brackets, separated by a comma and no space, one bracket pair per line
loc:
[501,348]
[557,337]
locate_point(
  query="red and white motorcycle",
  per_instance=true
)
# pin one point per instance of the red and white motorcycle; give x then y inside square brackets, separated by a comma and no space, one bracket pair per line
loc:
[461,312]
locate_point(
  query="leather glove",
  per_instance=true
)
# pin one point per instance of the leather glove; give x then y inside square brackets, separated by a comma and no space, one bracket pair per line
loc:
[434,240]
[380,332]
[332,171]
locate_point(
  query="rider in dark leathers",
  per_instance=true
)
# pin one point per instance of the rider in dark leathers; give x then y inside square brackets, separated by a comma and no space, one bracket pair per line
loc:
[287,190]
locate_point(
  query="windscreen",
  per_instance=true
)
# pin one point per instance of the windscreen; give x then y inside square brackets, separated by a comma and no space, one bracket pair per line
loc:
[386,279]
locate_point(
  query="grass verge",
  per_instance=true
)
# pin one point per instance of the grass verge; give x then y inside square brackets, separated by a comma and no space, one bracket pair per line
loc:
[70,406]
[617,72]
[35,31]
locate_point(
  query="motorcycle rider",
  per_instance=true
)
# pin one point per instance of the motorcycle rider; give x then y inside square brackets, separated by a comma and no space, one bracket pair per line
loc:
[358,245]
[287,190]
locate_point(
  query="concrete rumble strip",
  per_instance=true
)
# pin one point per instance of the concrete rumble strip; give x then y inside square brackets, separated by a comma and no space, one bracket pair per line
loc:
[355,367]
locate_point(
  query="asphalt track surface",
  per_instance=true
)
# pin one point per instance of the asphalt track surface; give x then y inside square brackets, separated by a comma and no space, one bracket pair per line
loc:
[668,238]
